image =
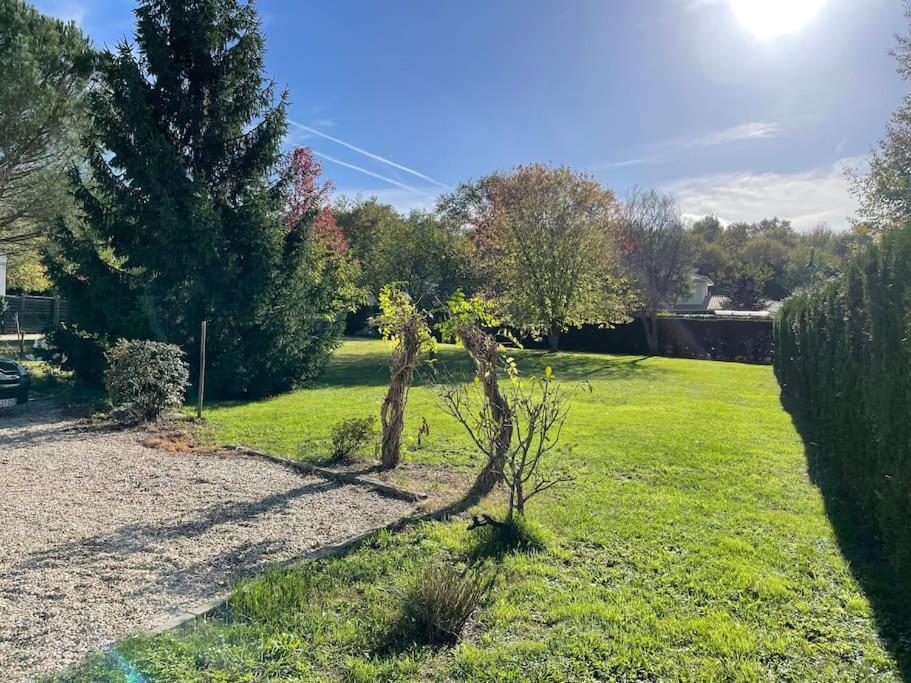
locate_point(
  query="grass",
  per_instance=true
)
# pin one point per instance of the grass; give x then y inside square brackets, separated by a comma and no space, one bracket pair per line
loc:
[692,547]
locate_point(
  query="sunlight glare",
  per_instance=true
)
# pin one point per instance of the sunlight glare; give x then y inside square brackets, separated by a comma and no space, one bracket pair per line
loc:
[767,19]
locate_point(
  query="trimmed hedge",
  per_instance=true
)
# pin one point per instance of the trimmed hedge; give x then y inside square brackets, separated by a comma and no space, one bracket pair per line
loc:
[704,337]
[843,354]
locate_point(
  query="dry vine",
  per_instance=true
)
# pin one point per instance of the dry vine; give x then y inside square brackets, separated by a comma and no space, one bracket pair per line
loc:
[401,321]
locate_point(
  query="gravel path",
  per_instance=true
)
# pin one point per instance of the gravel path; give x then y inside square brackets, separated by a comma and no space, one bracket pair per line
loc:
[101,536]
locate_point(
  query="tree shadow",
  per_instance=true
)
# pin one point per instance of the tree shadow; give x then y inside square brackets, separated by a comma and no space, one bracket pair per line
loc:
[453,364]
[859,544]
[144,537]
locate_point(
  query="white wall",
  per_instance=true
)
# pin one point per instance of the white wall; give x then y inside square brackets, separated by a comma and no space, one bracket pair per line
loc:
[2,274]
[698,292]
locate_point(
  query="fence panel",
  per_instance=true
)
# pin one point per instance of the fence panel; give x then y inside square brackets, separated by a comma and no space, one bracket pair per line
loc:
[37,314]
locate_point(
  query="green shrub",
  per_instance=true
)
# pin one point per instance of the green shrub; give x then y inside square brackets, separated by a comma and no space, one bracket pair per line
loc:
[351,435]
[146,377]
[438,601]
[842,354]
[72,349]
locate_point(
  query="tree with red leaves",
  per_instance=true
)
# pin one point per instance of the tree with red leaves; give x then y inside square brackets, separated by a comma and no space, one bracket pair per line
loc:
[308,200]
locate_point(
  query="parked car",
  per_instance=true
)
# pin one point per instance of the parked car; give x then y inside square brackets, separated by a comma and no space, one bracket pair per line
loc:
[15,381]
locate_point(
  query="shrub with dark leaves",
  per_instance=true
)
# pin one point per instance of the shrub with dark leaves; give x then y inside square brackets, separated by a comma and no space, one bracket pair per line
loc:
[75,350]
[146,377]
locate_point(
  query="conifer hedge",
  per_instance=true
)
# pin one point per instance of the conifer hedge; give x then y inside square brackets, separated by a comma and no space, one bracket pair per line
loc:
[843,352]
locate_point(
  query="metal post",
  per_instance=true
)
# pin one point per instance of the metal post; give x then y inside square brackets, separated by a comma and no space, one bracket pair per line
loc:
[202,369]
[21,336]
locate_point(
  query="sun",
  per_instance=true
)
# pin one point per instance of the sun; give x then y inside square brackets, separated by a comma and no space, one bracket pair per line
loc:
[767,19]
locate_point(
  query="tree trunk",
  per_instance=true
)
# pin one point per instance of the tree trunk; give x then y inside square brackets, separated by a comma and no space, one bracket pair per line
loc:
[392,417]
[392,412]
[483,349]
[553,337]
[650,321]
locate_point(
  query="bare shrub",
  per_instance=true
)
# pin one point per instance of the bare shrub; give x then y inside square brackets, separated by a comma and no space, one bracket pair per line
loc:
[439,601]
[538,415]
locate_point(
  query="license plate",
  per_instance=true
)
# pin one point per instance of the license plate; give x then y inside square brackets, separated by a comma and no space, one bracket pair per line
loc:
[7,402]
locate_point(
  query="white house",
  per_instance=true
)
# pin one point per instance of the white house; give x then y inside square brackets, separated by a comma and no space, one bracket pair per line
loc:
[700,298]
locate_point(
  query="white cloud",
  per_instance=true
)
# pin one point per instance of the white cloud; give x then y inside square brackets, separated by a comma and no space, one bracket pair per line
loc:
[744,131]
[819,195]
[668,149]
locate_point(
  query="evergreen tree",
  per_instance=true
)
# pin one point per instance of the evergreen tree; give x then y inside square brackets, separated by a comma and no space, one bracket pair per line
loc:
[45,65]
[185,205]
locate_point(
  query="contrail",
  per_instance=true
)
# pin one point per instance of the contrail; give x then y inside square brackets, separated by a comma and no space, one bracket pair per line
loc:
[363,170]
[359,150]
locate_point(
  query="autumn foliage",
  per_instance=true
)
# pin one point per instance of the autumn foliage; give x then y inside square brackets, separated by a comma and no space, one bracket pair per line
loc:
[308,199]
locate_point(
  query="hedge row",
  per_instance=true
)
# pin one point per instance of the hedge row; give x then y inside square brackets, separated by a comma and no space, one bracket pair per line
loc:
[843,353]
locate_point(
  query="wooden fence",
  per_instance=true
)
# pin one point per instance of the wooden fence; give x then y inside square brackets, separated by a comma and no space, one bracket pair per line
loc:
[36,313]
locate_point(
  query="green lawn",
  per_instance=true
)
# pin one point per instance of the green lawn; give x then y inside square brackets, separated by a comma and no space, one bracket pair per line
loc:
[692,547]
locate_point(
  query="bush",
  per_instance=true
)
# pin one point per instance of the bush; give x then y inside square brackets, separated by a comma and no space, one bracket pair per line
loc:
[438,602]
[146,377]
[842,355]
[351,435]
[79,352]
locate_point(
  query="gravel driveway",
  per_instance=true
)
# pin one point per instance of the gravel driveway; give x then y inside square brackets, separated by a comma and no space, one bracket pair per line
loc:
[101,536]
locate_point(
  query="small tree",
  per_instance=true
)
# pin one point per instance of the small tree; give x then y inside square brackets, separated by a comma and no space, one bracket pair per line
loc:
[402,322]
[745,286]
[657,252]
[538,415]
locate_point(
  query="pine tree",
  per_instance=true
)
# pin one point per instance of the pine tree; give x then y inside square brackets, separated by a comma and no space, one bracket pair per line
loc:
[185,210]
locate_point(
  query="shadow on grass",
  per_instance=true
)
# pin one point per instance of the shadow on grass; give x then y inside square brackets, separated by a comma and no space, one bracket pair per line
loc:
[372,369]
[347,370]
[494,541]
[859,544]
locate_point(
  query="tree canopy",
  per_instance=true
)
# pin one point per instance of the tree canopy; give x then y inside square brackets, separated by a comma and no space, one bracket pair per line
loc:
[45,65]
[188,207]
[766,260]
[885,190]
[543,242]
[420,253]
[656,252]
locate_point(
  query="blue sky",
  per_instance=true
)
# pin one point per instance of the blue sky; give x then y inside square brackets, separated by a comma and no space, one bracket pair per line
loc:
[677,94]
